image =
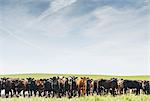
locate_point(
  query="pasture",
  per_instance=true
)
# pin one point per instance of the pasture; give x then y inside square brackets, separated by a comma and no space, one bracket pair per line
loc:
[124,97]
[42,75]
[130,97]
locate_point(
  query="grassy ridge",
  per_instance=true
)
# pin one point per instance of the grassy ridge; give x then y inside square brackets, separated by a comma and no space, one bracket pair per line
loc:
[130,97]
[42,75]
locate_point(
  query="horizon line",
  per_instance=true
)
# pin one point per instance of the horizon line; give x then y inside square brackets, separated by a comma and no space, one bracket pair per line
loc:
[71,74]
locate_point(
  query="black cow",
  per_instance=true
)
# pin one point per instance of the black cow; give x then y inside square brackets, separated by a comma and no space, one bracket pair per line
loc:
[105,86]
[95,86]
[7,83]
[132,84]
[1,85]
[74,87]
[17,86]
[71,86]
[47,87]
[88,86]
[146,87]
[55,87]
[31,86]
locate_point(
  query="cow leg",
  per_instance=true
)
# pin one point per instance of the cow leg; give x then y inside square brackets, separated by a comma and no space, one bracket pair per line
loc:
[59,94]
[6,93]
[34,92]
[87,91]
[53,94]
[40,93]
[11,93]
[72,93]
[96,91]
[121,91]
[49,93]
[24,93]
[107,91]
[79,93]
[93,92]
[14,92]
[19,93]
[45,93]
[62,92]
[28,93]
[0,93]
[125,90]
[69,94]
[137,91]
[113,91]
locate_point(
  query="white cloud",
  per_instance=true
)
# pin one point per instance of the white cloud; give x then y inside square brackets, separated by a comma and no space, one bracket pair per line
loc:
[55,6]
[115,42]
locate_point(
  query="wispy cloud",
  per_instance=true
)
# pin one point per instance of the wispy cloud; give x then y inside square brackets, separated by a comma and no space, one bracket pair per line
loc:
[10,33]
[102,37]
[54,7]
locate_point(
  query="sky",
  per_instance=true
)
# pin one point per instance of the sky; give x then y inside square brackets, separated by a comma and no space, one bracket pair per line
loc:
[107,37]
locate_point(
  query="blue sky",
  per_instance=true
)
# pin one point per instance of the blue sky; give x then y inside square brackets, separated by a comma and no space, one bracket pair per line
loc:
[74,36]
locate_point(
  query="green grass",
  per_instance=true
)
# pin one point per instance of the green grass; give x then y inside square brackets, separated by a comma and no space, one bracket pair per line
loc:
[42,75]
[130,97]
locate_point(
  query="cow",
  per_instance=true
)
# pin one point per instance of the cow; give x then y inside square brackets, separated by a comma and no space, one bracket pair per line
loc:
[120,86]
[132,84]
[16,86]
[146,87]
[40,86]
[7,83]
[47,87]
[81,84]
[71,86]
[24,85]
[61,81]
[31,86]
[106,86]
[88,86]
[55,87]
[95,86]
[68,87]
[1,85]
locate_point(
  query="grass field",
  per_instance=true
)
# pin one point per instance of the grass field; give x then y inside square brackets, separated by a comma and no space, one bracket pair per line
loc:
[85,98]
[129,97]
[38,75]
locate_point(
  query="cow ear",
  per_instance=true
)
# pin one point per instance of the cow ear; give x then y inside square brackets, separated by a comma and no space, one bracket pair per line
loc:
[81,77]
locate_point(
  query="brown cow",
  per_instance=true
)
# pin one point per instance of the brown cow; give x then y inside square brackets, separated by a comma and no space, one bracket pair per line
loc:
[25,88]
[61,82]
[81,84]
[40,86]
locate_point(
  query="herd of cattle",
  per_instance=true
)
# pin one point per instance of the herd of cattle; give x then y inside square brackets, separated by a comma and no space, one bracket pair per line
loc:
[71,86]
